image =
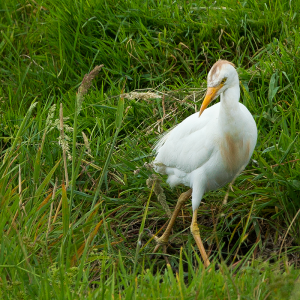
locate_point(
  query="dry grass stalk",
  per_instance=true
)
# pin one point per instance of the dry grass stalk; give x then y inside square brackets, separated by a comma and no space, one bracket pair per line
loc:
[62,136]
[140,95]
[20,191]
[159,192]
[57,211]
[51,209]
[295,217]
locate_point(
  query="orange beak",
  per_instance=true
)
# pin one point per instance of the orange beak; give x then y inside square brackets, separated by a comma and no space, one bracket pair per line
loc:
[210,95]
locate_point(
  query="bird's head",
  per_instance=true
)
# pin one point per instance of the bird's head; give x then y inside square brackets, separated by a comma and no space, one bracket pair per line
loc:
[221,76]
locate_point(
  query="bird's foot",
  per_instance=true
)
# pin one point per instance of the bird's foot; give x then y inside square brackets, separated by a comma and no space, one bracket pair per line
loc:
[162,241]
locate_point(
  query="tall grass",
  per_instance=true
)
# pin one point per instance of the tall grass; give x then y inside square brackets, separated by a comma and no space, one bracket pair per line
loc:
[73,204]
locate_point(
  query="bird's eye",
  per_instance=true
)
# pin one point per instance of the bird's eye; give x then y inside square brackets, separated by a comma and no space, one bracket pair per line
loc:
[223,80]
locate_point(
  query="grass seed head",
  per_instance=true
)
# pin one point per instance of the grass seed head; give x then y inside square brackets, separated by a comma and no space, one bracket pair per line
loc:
[85,85]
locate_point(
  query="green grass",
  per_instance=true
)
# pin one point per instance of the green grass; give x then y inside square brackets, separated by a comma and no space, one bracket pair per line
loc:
[79,238]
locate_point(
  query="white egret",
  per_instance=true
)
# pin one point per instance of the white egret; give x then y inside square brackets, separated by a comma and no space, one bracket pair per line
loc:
[208,149]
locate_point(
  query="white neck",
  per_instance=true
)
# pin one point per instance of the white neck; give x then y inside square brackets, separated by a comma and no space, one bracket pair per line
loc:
[229,109]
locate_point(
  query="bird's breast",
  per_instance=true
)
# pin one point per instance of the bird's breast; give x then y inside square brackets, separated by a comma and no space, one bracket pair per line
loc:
[235,153]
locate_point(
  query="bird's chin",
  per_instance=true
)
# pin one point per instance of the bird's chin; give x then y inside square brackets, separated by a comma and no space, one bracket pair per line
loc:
[216,96]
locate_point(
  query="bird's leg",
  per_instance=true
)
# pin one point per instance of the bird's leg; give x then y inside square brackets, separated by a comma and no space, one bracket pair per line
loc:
[196,234]
[163,240]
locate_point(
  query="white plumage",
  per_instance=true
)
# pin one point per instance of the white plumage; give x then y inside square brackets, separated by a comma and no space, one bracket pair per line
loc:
[208,150]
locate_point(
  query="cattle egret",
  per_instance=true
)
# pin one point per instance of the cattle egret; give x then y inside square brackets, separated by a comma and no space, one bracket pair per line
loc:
[209,148]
